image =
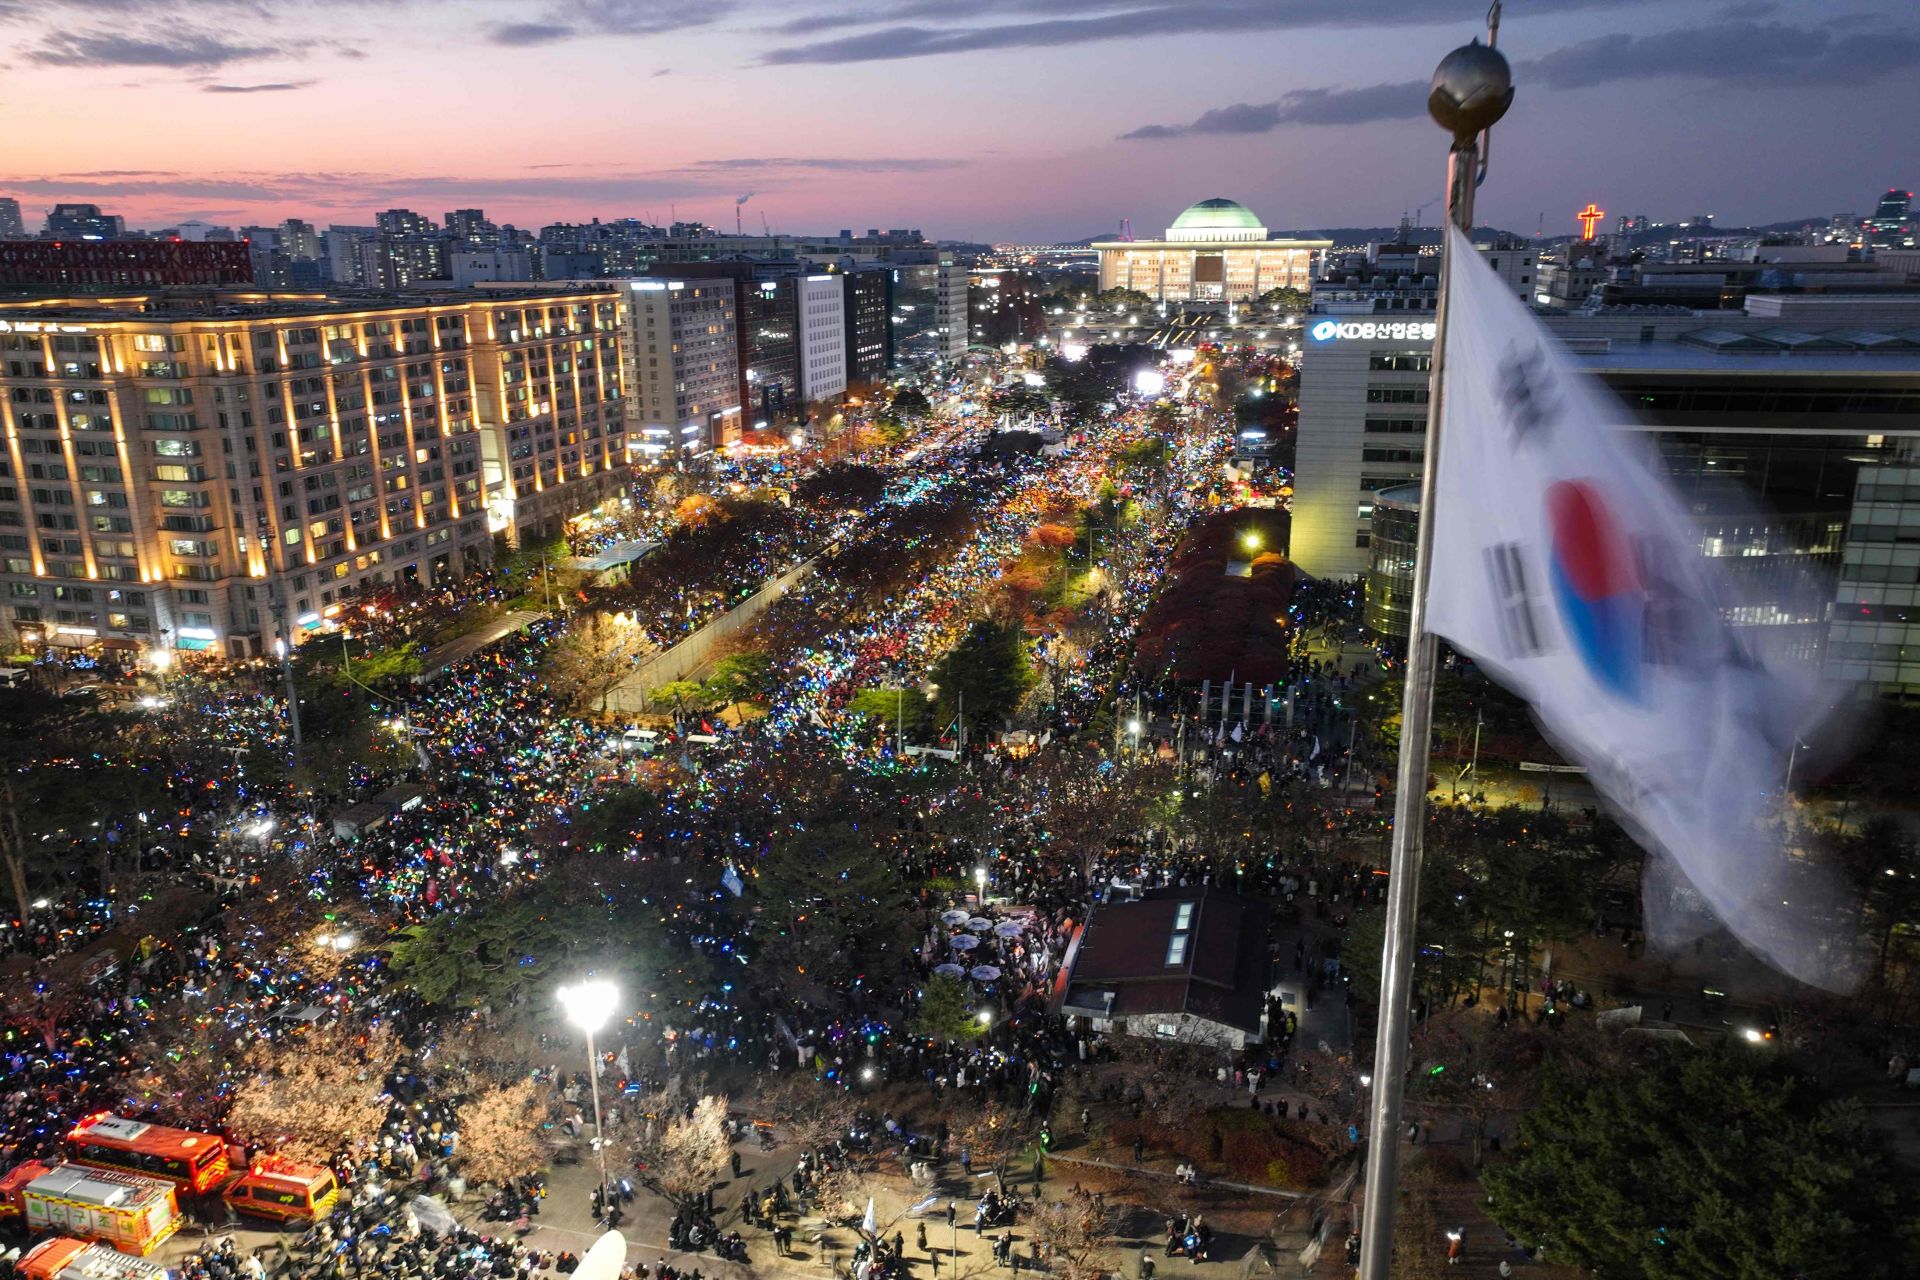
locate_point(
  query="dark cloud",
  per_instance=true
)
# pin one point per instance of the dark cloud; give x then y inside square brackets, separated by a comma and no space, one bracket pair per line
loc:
[1123,19]
[282,86]
[1302,106]
[525,33]
[183,49]
[832,164]
[572,19]
[1759,54]
[193,188]
[663,71]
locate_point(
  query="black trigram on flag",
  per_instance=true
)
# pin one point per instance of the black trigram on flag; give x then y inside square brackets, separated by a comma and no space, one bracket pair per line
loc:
[1515,600]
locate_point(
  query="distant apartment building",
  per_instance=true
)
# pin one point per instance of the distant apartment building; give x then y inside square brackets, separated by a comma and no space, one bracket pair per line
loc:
[682,366]
[823,337]
[183,468]
[404,222]
[403,261]
[11,225]
[301,241]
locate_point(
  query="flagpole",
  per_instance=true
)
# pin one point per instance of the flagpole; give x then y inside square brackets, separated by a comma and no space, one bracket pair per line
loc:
[1471,91]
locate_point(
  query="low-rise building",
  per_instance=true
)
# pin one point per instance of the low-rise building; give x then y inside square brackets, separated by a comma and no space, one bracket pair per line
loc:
[1188,963]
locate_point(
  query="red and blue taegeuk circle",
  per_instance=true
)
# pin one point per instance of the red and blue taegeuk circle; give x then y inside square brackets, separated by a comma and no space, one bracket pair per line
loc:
[1596,584]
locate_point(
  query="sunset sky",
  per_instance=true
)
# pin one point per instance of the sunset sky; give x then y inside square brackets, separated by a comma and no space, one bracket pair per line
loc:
[982,119]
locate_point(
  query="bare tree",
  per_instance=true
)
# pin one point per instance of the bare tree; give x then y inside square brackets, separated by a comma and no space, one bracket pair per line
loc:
[314,1095]
[499,1134]
[679,1156]
[1073,1234]
[594,655]
[992,1136]
[814,1114]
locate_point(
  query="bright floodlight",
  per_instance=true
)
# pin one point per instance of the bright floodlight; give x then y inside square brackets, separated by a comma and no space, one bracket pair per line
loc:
[1149,382]
[160,658]
[1250,539]
[588,1005]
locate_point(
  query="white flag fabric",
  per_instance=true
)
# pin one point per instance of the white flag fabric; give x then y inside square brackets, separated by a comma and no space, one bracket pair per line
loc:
[1565,564]
[731,882]
[867,1224]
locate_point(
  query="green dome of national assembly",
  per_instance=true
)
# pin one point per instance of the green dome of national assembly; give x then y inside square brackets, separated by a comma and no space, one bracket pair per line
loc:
[1217,214]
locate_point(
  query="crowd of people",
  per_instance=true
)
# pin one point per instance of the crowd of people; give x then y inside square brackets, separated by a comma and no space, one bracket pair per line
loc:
[510,772]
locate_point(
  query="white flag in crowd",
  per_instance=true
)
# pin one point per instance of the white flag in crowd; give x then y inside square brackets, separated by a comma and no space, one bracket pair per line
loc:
[1565,564]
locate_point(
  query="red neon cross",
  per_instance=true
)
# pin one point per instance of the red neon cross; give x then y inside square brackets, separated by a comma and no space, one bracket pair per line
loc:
[1588,216]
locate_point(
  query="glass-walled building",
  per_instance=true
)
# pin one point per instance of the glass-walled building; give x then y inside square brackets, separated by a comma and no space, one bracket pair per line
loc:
[1396,528]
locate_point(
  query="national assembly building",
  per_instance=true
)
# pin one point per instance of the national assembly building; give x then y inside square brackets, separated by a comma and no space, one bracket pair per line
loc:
[1217,251]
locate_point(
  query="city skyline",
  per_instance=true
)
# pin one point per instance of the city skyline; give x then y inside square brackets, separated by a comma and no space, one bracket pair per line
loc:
[989,120]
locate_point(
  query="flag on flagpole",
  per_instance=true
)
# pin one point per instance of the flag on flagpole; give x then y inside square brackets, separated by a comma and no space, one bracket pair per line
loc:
[866,1223]
[730,880]
[1564,563]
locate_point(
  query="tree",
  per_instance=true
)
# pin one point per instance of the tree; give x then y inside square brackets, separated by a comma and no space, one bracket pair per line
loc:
[1073,1234]
[680,1156]
[946,1010]
[816,1115]
[315,1095]
[989,669]
[1720,1163]
[1119,299]
[739,676]
[890,706]
[911,403]
[991,1136]
[1286,300]
[499,1134]
[593,655]
[833,909]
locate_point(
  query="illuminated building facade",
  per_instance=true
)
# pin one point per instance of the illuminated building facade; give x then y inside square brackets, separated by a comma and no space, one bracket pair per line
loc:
[1217,251]
[179,470]
[682,365]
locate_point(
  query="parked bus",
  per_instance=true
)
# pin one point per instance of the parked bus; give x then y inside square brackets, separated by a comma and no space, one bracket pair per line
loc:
[284,1190]
[196,1163]
[62,1258]
[133,1214]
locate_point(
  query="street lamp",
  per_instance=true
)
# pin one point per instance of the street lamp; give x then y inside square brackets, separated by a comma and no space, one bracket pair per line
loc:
[161,660]
[588,1005]
[980,883]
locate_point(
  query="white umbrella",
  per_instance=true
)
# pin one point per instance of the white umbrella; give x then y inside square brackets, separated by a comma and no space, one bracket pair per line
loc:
[963,942]
[948,970]
[984,973]
[979,924]
[955,916]
[1009,928]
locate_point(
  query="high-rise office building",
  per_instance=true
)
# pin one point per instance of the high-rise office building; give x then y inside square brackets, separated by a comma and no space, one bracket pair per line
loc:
[11,226]
[1891,222]
[869,310]
[767,333]
[179,466]
[83,222]
[682,368]
[823,337]
[1874,638]
[950,303]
